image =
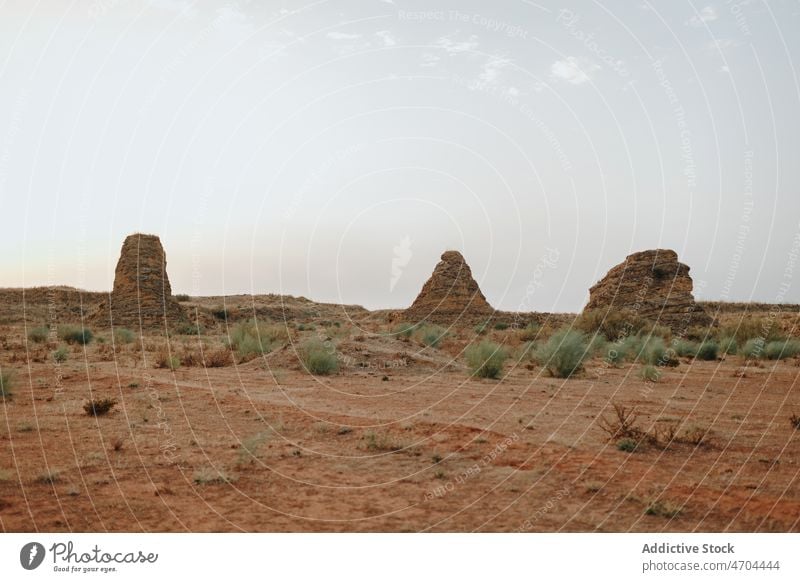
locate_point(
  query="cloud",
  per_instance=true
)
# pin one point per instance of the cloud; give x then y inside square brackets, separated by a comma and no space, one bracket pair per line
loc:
[343,36]
[452,47]
[386,37]
[490,72]
[573,70]
[430,60]
[707,14]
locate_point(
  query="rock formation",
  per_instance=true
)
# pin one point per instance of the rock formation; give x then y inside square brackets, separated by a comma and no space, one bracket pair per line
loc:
[652,285]
[142,295]
[450,296]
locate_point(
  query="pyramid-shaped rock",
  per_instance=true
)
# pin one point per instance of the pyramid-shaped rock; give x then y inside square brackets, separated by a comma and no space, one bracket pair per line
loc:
[450,296]
[142,295]
[653,285]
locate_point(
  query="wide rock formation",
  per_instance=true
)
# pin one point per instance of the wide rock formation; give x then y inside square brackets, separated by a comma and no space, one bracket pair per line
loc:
[450,296]
[142,295]
[653,285]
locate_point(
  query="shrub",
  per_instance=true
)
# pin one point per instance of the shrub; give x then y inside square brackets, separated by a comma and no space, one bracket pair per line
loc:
[318,358]
[615,353]
[662,509]
[486,359]
[73,334]
[123,335]
[622,425]
[217,358]
[753,349]
[181,297]
[597,345]
[752,328]
[501,326]
[189,328]
[220,313]
[432,335]
[654,351]
[685,348]
[529,333]
[404,330]
[728,345]
[779,350]
[166,360]
[564,353]
[650,373]
[708,350]
[99,407]
[612,324]
[251,339]
[482,328]
[60,355]
[627,445]
[39,334]
[6,385]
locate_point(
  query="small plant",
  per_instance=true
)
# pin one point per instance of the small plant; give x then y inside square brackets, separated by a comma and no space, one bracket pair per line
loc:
[627,445]
[248,450]
[662,509]
[436,458]
[564,353]
[439,474]
[778,350]
[708,350]
[650,373]
[481,328]
[165,360]
[49,478]
[6,385]
[404,330]
[501,326]
[73,334]
[123,335]
[217,358]
[319,358]
[616,353]
[753,349]
[685,348]
[695,435]
[794,420]
[486,359]
[209,476]
[251,339]
[189,328]
[622,425]
[373,442]
[39,335]
[432,335]
[60,355]
[728,345]
[99,407]
[614,325]
[118,444]
[529,333]
[181,297]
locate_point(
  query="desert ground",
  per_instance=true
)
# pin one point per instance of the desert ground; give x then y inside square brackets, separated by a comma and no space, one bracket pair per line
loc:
[204,435]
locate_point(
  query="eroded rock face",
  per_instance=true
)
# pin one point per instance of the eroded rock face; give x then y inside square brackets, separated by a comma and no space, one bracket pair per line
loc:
[142,294]
[654,285]
[450,296]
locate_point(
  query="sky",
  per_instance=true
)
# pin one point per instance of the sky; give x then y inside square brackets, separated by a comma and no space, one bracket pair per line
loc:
[335,149]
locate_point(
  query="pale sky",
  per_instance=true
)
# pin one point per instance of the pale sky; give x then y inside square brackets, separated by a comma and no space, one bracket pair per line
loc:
[334,149]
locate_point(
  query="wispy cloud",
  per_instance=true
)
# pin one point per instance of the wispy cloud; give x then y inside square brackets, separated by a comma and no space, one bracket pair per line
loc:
[430,60]
[386,37]
[573,70]
[490,72]
[706,14]
[343,36]
[453,47]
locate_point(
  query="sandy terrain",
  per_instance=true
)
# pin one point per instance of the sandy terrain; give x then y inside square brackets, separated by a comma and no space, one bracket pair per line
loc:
[401,439]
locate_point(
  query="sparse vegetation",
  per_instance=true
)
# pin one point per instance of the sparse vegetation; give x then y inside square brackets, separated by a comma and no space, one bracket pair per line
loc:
[251,339]
[374,442]
[404,330]
[752,328]
[248,450]
[564,353]
[501,326]
[662,509]
[431,335]
[686,348]
[728,345]
[614,325]
[123,335]
[6,385]
[39,334]
[189,328]
[73,334]
[182,297]
[319,357]
[208,476]
[60,355]
[49,478]
[166,360]
[753,349]
[627,445]
[486,359]
[99,407]
[481,328]
[708,350]
[529,333]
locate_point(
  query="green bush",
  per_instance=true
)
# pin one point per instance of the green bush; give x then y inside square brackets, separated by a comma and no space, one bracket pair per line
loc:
[486,359]
[73,334]
[614,325]
[501,326]
[6,385]
[431,335]
[779,350]
[564,353]
[404,330]
[319,358]
[708,350]
[654,351]
[753,349]
[189,328]
[650,373]
[728,345]
[685,348]
[616,352]
[123,335]
[251,339]
[60,355]
[39,334]
[627,445]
